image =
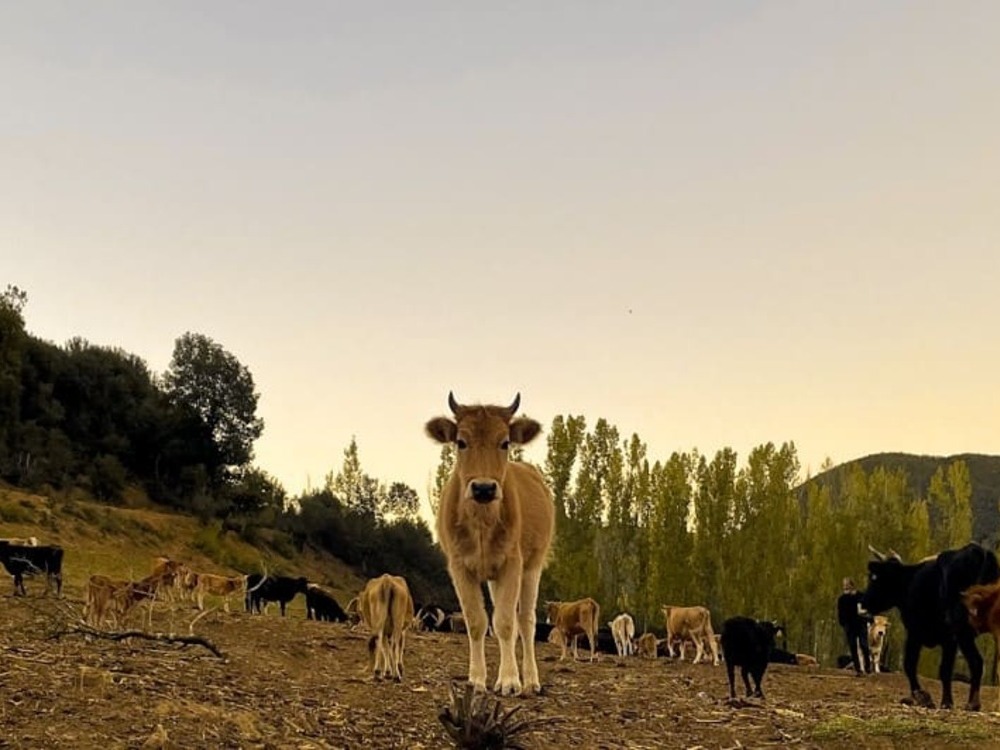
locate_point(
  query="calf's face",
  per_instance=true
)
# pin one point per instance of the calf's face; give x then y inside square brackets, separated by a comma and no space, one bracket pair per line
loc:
[482,436]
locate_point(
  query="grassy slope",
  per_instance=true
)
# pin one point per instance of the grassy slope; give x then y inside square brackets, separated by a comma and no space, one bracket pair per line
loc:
[122,542]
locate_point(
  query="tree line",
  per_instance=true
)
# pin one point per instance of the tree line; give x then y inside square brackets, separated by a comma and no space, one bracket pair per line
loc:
[97,418]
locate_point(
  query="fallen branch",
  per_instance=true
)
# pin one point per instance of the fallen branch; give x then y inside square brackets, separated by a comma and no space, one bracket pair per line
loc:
[120,635]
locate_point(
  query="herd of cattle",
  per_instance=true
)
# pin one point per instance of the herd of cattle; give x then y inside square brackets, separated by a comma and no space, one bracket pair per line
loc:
[942,599]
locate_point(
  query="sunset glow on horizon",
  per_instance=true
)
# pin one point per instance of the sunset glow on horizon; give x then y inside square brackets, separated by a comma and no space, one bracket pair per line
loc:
[713,225]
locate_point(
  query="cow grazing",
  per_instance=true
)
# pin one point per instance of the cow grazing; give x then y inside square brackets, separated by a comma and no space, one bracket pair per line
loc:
[216,585]
[929,598]
[100,602]
[647,646]
[281,589]
[432,618]
[876,640]
[387,609]
[623,630]
[22,560]
[321,605]
[747,644]
[495,524]
[572,619]
[354,612]
[694,623]
[983,605]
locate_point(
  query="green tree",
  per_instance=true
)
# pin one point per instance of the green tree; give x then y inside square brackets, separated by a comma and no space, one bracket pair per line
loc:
[212,383]
[12,343]
[400,502]
[441,475]
[950,496]
[713,508]
[670,534]
[357,490]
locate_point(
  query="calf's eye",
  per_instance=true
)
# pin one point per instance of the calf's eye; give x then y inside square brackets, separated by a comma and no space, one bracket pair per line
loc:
[462,445]
[505,445]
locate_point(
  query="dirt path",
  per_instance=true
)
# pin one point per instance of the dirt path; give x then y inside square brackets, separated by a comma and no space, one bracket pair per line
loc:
[297,684]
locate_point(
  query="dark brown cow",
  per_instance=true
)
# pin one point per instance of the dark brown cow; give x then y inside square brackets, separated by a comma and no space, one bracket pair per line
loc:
[983,605]
[495,524]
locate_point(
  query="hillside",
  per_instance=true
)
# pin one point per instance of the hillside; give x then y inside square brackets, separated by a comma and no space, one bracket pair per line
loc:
[122,542]
[984,472]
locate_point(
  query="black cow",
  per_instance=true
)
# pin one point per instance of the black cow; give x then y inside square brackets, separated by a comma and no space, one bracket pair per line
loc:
[433,618]
[21,561]
[542,631]
[928,596]
[321,605]
[782,656]
[281,589]
[747,644]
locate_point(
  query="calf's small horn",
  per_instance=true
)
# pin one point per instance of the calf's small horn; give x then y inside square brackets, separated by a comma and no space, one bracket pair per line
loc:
[512,409]
[452,403]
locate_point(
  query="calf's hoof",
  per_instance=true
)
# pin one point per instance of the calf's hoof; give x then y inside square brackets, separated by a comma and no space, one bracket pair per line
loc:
[972,706]
[507,687]
[478,685]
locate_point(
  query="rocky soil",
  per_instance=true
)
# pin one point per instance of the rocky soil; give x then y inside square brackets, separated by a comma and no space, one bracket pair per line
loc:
[292,683]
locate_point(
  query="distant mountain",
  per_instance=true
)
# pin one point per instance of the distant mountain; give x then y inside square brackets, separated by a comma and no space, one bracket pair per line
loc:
[984,472]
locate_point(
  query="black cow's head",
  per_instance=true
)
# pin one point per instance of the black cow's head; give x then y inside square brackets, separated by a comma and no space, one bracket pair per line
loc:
[886,583]
[771,630]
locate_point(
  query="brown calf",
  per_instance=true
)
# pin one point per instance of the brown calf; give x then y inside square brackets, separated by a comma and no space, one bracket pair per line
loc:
[387,609]
[983,605]
[224,586]
[495,524]
[101,598]
[573,619]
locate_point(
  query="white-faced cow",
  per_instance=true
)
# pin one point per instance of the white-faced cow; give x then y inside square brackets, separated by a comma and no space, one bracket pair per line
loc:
[877,633]
[928,595]
[495,524]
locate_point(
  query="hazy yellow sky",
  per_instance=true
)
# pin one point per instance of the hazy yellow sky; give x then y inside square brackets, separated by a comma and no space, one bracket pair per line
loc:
[713,224]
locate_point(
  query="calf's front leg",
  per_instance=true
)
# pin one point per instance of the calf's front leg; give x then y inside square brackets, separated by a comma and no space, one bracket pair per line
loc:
[505,591]
[470,597]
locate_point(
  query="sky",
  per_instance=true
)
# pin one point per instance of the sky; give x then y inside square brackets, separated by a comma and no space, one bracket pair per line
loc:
[714,224]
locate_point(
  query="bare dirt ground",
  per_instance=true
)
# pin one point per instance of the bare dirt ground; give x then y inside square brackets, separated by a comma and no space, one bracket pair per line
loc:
[292,683]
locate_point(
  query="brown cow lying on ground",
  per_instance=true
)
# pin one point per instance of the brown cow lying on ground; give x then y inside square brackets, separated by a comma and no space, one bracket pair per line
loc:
[224,586]
[495,524]
[572,619]
[387,609]
[694,623]
[983,604]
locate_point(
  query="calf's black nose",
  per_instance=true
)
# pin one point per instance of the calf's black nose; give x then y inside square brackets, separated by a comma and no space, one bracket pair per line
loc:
[484,492]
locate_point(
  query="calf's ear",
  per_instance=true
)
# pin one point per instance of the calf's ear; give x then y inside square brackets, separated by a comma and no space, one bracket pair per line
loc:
[524,430]
[442,429]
